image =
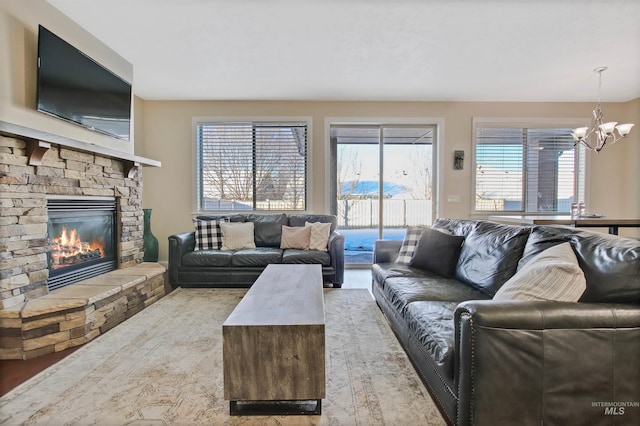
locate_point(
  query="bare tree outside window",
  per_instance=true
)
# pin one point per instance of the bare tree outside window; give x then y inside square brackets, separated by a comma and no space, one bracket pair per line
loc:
[258,166]
[349,169]
[420,166]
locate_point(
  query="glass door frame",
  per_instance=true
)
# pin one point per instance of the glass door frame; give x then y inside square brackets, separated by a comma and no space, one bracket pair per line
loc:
[436,163]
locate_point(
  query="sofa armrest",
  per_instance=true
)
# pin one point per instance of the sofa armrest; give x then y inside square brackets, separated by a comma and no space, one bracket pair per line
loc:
[179,245]
[386,251]
[545,362]
[335,246]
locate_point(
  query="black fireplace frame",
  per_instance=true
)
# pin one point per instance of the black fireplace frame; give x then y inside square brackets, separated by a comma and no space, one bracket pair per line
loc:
[57,207]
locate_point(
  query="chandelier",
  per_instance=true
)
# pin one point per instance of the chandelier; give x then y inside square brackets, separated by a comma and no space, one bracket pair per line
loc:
[601,135]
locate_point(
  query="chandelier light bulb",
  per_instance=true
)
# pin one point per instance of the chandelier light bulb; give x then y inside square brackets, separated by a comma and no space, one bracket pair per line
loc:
[608,128]
[624,129]
[580,133]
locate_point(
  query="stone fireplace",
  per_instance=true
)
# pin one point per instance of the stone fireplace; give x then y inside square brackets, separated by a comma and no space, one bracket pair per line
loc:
[62,172]
[69,216]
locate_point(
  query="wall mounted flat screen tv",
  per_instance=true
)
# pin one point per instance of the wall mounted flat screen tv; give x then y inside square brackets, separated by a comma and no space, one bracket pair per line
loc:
[74,87]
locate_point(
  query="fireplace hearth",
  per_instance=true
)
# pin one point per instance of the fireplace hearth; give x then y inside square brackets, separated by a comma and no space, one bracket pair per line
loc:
[81,239]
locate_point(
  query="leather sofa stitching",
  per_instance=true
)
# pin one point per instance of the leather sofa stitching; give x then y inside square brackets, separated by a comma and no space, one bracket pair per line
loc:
[389,309]
[433,393]
[613,352]
[467,315]
[544,359]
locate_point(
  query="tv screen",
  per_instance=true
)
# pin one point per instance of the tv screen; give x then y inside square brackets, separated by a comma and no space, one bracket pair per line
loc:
[76,88]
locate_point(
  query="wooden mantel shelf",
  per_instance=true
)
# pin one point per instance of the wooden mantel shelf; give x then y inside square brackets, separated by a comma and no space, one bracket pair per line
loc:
[38,142]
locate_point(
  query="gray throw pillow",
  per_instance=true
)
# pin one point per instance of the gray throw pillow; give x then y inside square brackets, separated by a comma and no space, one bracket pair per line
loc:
[437,252]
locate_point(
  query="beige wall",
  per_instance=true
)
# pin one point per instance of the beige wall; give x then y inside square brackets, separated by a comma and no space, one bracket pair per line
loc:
[612,176]
[19,22]
[163,129]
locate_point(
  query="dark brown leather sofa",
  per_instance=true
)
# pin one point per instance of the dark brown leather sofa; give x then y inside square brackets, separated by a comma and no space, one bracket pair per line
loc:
[537,363]
[241,268]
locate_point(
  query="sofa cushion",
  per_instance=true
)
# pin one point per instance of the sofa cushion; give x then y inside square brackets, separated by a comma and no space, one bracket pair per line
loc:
[236,236]
[239,217]
[490,255]
[258,256]
[295,237]
[611,264]
[319,235]
[553,274]
[306,256]
[431,324]
[381,271]
[401,291]
[542,238]
[267,228]
[301,219]
[437,252]
[208,234]
[207,258]
[455,226]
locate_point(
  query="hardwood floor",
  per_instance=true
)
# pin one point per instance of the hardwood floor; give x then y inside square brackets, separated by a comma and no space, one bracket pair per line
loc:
[14,372]
[357,278]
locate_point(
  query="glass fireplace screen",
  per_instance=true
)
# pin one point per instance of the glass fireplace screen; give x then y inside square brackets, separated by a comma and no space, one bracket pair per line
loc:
[81,241]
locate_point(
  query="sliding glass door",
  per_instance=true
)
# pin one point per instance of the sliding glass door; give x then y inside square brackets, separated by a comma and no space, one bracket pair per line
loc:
[382,183]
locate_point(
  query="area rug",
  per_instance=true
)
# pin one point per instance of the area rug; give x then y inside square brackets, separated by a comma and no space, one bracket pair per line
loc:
[164,366]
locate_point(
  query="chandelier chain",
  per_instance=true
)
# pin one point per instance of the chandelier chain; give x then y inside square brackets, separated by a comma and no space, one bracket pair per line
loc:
[600,86]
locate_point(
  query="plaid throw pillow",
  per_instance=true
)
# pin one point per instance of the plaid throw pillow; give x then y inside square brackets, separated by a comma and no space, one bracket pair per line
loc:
[208,234]
[411,238]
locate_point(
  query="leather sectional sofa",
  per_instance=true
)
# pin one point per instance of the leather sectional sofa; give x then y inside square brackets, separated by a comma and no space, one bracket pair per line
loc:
[240,268]
[512,362]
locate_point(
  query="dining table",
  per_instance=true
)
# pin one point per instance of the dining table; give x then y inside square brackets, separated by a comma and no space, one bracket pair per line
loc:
[587,221]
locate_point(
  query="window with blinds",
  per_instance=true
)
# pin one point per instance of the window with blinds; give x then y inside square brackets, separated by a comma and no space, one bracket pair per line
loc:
[252,166]
[526,169]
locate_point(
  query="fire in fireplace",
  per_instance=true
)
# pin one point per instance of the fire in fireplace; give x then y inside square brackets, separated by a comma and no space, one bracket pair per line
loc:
[81,236]
[69,249]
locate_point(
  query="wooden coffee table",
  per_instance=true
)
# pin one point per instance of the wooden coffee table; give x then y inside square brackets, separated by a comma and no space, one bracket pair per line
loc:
[274,344]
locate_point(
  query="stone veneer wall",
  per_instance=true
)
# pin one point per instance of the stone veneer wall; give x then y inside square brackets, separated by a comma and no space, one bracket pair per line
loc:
[23,219]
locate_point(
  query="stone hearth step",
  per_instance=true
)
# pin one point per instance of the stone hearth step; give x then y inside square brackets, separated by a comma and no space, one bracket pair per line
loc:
[75,314]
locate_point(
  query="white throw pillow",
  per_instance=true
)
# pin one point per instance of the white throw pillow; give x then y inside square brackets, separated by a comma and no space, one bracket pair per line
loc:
[237,235]
[295,237]
[319,235]
[553,274]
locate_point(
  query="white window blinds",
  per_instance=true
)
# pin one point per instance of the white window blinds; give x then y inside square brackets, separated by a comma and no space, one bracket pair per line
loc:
[252,166]
[525,169]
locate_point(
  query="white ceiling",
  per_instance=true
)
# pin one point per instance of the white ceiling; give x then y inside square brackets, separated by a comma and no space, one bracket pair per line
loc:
[434,50]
